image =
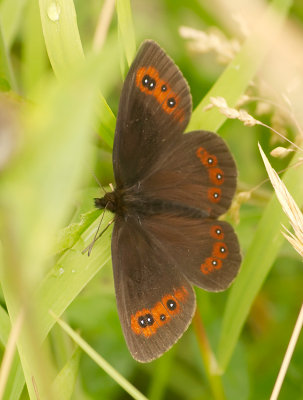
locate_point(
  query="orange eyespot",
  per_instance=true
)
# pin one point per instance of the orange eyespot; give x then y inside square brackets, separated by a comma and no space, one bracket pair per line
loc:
[216,232]
[216,176]
[149,82]
[210,264]
[214,194]
[208,160]
[146,322]
[220,250]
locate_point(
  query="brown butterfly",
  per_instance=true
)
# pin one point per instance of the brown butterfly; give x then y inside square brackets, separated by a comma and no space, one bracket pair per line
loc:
[170,189]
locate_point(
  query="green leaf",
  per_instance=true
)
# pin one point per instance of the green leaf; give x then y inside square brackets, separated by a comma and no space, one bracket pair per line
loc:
[258,261]
[256,265]
[114,374]
[10,18]
[71,274]
[15,381]
[50,164]
[34,56]
[63,385]
[62,39]
[68,236]
[6,74]
[126,29]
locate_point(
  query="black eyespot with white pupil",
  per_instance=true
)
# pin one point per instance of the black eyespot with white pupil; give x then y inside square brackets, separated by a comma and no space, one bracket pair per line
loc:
[163,88]
[148,82]
[149,319]
[210,160]
[171,102]
[171,304]
[216,195]
[145,320]
[219,176]
[142,322]
[218,231]
[222,249]
[214,263]
[162,317]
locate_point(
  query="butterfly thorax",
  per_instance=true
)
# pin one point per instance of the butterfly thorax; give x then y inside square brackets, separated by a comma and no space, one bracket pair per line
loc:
[130,202]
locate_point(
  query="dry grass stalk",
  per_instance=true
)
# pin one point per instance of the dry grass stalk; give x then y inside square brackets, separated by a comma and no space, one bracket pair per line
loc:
[289,206]
[104,21]
[295,216]
[281,152]
[242,116]
[202,42]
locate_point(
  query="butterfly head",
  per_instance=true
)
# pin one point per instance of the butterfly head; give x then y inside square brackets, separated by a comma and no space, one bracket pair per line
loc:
[109,201]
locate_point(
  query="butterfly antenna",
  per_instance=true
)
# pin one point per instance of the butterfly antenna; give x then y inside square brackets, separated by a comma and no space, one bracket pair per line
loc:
[98,182]
[88,249]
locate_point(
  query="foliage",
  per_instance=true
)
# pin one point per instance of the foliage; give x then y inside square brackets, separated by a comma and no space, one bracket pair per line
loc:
[58,102]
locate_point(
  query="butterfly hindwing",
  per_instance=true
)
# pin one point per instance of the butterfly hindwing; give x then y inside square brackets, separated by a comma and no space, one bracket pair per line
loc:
[206,251]
[155,300]
[155,107]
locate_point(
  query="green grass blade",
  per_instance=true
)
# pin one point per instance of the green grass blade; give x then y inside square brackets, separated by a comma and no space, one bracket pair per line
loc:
[71,274]
[62,39]
[231,85]
[256,266]
[10,17]
[63,385]
[5,326]
[15,382]
[61,35]
[126,29]
[7,81]
[33,48]
[58,129]
[114,374]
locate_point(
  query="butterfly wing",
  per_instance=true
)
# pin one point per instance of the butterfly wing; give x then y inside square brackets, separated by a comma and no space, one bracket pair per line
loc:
[155,300]
[155,106]
[204,250]
[198,171]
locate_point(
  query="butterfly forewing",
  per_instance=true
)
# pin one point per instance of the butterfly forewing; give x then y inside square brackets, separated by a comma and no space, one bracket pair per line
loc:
[198,171]
[155,107]
[155,301]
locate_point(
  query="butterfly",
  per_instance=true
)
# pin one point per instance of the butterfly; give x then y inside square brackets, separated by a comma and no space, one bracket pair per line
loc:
[170,189]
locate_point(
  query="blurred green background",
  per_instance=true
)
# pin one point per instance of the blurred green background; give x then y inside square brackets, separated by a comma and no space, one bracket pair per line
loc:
[56,133]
